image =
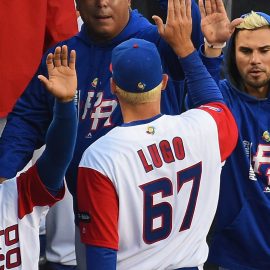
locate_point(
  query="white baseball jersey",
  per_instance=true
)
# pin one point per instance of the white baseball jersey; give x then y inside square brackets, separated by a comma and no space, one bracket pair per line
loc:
[23,201]
[150,188]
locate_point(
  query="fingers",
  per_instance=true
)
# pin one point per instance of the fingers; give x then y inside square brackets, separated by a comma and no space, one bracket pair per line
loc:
[213,6]
[188,11]
[60,58]
[64,56]
[170,12]
[49,62]
[72,59]
[208,8]
[177,8]
[57,57]
[220,6]
[202,9]
[182,7]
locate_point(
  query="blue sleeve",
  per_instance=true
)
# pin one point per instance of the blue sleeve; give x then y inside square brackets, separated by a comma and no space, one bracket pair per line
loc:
[26,127]
[201,87]
[98,258]
[213,64]
[60,143]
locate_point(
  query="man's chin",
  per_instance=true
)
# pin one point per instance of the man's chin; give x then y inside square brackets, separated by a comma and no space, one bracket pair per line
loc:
[258,83]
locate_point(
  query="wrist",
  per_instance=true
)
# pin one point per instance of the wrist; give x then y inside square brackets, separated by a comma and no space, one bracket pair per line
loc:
[215,45]
[184,50]
[210,52]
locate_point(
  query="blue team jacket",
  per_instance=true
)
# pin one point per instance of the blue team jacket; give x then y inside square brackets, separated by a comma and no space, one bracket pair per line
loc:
[241,239]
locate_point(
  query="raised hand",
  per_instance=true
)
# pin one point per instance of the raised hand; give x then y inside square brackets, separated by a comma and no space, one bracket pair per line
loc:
[215,23]
[177,30]
[62,82]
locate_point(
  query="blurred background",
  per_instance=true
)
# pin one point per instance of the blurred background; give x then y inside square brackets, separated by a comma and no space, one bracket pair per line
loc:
[234,8]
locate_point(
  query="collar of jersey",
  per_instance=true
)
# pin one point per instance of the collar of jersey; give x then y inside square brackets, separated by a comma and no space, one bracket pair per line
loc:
[141,122]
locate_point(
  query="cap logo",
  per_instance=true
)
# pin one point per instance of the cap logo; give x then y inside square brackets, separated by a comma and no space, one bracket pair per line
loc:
[141,86]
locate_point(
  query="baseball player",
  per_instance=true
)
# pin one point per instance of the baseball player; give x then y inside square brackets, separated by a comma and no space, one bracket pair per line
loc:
[148,190]
[25,199]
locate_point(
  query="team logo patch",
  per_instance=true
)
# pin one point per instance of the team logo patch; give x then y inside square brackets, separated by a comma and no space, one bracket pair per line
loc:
[266,190]
[266,136]
[94,82]
[141,86]
[211,108]
[84,217]
[150,130]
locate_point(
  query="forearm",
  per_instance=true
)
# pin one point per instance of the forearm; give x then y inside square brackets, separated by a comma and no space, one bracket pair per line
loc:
[212,63]
[60,141]
[201,86]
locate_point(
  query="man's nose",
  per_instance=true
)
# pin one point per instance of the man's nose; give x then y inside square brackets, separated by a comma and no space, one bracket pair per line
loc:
[255,57]
[102,3]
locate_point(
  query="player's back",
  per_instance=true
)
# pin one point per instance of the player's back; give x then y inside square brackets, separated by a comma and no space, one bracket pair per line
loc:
[166,175]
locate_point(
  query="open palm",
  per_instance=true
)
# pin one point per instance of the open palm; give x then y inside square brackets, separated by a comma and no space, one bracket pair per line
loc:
[62,82]
[178,27]
[215,23]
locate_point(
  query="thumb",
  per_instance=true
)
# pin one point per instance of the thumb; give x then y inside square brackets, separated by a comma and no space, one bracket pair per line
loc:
[235,23]
[159,23]
[44,80]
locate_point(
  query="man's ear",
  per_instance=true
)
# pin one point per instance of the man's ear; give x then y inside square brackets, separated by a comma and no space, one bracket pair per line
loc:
[113,86]
[165,78]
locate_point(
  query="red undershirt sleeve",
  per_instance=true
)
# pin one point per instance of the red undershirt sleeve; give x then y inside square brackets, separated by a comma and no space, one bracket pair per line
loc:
[98,209]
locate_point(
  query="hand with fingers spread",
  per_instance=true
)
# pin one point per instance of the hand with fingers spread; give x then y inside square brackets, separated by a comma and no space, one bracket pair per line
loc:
[62,82]
[215,23]
[177,29]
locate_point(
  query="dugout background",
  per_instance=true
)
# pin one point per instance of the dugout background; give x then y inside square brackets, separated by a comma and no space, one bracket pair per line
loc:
[234,8]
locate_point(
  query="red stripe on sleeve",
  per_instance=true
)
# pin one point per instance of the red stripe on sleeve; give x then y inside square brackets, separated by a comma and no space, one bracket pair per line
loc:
[32,192]
[226,125]
[97,200]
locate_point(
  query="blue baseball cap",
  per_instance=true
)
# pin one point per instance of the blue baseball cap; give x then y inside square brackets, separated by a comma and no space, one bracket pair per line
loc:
[136,66]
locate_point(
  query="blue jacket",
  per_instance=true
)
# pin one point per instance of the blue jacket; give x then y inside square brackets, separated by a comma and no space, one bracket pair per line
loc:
[241,239]
[98,110]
